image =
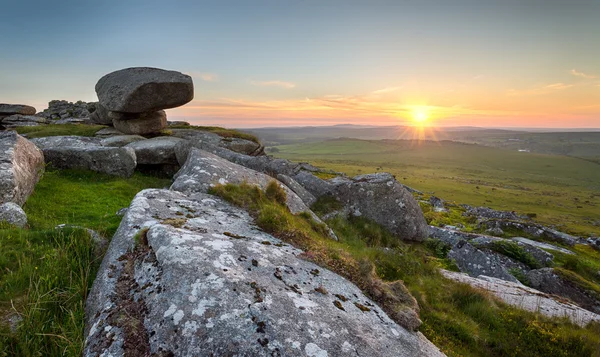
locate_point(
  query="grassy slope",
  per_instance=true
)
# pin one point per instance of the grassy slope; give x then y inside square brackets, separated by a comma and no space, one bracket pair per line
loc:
[58,130]
[45,274]
[560,190]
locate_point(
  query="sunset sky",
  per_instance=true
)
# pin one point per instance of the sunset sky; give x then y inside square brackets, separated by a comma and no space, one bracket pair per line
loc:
[281,63]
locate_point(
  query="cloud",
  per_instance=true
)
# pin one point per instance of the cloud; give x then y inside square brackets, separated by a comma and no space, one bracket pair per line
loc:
[581,74]
[205,76]
[549,88]
[281,84]
[385,90]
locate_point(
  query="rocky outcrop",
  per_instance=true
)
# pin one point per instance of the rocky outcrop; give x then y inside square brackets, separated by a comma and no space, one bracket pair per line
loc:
[62,109]
[527,298]
[11,109]
[142,124]
[21,165]
[121,140]
[16,120]
[542,245]
[437,204]
[474,262]
[65,141]
[109,160]
[12,213]
[190,275]
[540,256]
[549,281]
[382,199]
[155,151]
[144,89]
[304,195]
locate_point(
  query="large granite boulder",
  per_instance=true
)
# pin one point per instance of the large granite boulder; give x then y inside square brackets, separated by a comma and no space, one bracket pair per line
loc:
[142,124]
[16,120]
[193,276]
[48,142]
[21,165]
[384,200]
[12,213]
[144,89]
[109,160]
[10,109]
[155,151]
[304,195]
[313,184]
[100,115]
[204,170]
[121,140]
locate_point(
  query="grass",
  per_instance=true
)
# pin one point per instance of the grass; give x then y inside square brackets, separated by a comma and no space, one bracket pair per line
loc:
[223,132]
[45,273]
[459,319]
[59,130]
[561,191]
[516,252]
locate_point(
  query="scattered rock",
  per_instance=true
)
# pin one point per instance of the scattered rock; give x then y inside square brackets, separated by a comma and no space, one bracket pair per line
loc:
[185,290]
[112,161]
[542,257]
[543,245]
[527,298]
[12,213]
[486,212]
[121,140]
[16,120]
[145,123]
[381,198]
[11,109]
[62,109]
[474,262]
[144,89]
[437,204]
[155,151]
[21,165]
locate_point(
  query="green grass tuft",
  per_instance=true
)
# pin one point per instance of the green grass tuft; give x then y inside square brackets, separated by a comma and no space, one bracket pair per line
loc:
[59,130]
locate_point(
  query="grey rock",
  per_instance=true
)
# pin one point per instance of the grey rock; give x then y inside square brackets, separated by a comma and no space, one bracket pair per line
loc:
[17,120]
[486,212]
[437,204]
[146,123]
[475,262]
[381,198]
[108,132]
[72,121]
[21,165]
[304,195]
[243,146]
[527,298]
[212,286]
[449,236]
[313,184]
[156,151]
[12,213]
[62,109]
[66,141]
[178,123]
[495,231]
[194,135]
[541,256]
[594,242]
[121,140]
[534,229]
[100,115]
[543,245]
[112,161]
[144,89]
[10,109]
[203,170]
[549,282]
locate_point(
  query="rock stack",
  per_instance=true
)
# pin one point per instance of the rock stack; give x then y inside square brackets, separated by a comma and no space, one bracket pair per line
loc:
[16,115]
[62,109]
[133,99]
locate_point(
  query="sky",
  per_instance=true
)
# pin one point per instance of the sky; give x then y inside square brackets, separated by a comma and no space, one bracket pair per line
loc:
[293,63]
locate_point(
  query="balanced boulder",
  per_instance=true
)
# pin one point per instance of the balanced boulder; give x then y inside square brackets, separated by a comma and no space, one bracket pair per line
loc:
[21,164]
[142,124]
[144,89]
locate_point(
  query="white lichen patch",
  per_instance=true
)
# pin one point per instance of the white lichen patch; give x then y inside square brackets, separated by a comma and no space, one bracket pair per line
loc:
[177,316]
[170,311]
[218,245]
[313,350]
[202,306]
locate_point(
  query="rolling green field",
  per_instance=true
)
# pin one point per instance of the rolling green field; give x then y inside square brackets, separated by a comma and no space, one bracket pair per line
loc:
[562,191]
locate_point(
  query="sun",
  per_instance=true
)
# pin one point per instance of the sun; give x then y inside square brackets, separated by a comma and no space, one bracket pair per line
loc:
[420,116]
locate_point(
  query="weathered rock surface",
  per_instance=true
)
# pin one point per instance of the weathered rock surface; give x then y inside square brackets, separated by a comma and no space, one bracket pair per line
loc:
[543,245]
[155,151]
[437,204]
[109,160]
[62,109]
[146,123]
[382,199]
[474,262]
[108,132]
[100,115]
[243,146]
[21,164]
[12,213]
[534,229]
[10,109]
[203,170]
[548,281]
[16,120]
[527,298]
[121,140]
[65,141]
[486,212]
[144,89]
[304,195]
[542,257]
[317,186]
[213,284]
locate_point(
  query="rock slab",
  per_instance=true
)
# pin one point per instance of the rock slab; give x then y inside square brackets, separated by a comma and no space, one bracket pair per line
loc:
[21,165]
[214,285]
